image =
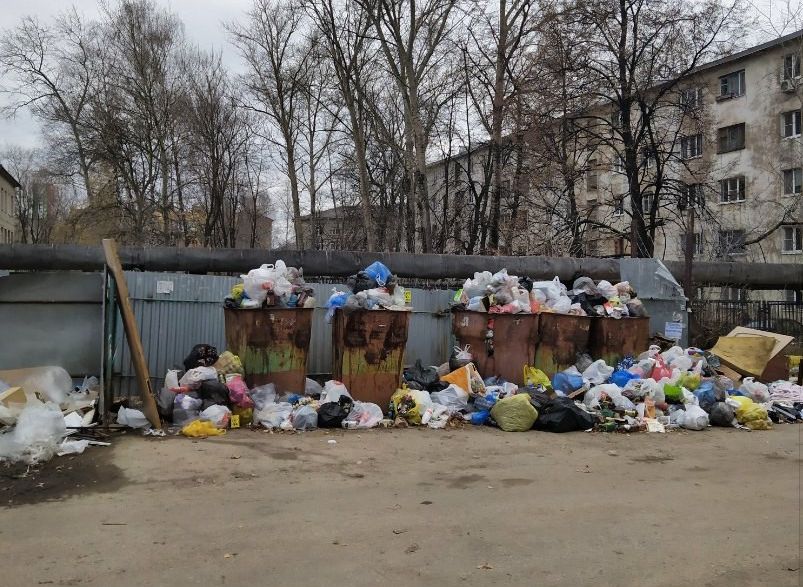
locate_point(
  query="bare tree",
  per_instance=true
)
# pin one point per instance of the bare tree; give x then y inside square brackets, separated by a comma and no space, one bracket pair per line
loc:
[272,44]
[49,70]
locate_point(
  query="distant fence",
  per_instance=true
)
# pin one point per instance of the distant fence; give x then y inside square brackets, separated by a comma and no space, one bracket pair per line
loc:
[714,318]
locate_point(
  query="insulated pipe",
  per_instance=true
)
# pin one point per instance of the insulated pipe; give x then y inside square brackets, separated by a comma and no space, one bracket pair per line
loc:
[405,265]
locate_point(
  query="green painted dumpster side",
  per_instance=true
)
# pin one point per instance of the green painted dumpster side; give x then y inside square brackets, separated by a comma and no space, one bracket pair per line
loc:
[273,345]
[561,338]
[368,352]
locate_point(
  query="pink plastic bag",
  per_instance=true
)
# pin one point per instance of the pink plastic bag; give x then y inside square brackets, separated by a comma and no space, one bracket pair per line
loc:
[660,370]
[238,391]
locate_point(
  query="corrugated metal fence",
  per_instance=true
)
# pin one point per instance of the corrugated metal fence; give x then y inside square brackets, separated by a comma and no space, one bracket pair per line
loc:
[171,323]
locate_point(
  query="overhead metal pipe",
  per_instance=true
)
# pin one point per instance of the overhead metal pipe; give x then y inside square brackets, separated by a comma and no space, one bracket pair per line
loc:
[405,265]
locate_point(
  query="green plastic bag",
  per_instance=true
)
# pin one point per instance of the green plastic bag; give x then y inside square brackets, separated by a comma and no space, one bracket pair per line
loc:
[514,413]
[673,393]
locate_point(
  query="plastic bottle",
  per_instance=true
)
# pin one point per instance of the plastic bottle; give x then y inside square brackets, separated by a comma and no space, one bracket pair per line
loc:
[426,416]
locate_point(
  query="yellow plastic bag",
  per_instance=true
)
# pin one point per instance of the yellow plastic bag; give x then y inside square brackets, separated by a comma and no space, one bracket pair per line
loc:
[201,429]
[535,377]
[410,404]
[228,363]
[514,413]
[690,381]
[750,413]
[467,378]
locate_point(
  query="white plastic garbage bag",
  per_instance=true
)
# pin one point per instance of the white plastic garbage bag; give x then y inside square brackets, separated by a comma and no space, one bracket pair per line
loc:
[694,418]
[218,415]
[598,372]
[272,415]
[194,377]
[312,387]
[560,305]
[263,395]
[37,435]
[552,290]
[606,289]
[132,418]
[454,398]
[755,390]
[363,415]
[72,447]
[593,395]
[304,418]
[332,390]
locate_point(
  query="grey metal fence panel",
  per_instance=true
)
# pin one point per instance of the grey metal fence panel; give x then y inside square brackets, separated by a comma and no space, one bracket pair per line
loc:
[52,318]
[170,324]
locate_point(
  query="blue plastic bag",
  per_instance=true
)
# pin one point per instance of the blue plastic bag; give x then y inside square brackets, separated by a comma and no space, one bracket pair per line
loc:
[485,402]
[566,382]
[621,378]
[336,300]
[379,273]
[480,418]
[706,394]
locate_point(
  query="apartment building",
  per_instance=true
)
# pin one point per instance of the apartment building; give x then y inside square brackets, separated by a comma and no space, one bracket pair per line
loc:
[741,165]
[8,223]
[739,160]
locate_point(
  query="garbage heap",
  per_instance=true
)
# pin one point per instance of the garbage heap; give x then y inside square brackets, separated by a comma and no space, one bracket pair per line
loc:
[373,288]
[42,414]
[501,293]
[654,392]
[271,286]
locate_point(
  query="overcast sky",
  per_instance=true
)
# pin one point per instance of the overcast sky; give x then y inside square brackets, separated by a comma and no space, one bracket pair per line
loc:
[202,23]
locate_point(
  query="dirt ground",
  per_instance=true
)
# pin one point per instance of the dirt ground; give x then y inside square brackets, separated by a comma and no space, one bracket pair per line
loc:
[718,508]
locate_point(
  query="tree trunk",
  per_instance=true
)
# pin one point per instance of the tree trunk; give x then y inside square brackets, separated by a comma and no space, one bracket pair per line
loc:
[496,126]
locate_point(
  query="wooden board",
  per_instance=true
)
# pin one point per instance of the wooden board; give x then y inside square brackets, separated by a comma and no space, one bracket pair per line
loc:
[132,333]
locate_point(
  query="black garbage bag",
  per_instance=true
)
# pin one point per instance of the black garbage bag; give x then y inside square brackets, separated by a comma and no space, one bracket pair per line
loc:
[424,377]
[526,283]
[361,282]
[561,414]
[201,355]
[332,414]
[213,392]
[721,414]
[538,398]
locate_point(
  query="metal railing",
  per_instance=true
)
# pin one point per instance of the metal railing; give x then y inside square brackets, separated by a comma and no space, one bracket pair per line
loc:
[714,318]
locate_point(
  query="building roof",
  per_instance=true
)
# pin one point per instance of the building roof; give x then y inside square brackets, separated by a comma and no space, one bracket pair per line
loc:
[750,51]
[8,177]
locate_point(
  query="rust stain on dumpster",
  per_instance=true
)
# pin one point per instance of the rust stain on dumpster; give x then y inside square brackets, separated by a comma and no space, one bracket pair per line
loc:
[613,339]
[272,344]
[561,338]
[368,352]
[514,342]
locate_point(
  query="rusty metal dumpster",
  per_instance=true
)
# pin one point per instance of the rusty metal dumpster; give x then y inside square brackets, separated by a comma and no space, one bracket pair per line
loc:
[515,337]
[560,338]
[368,352]
[613,339]
[272,344]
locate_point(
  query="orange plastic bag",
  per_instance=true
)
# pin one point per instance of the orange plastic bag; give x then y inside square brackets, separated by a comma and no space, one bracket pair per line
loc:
[467,378]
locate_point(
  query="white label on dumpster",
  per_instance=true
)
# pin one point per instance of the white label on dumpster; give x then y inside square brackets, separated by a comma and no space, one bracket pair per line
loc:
[673,330]
[164,287]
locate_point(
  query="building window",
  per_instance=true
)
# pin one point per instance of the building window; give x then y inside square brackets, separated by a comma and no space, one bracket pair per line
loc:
[619,206]
[792,179]
[792,239]
[791,66]
[732,85]
[731,190]
[691,194]
[731,242]
[691,147]
[592,176]
[790,124]
[730,138]
[647,202]
[733,294]
[691,98]
[618,164]
[698,243]
[619,247]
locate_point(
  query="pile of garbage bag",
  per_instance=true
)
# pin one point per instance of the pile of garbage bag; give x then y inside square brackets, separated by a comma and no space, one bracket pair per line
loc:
[271,286]
[373,288]
[501,293]
[42,414]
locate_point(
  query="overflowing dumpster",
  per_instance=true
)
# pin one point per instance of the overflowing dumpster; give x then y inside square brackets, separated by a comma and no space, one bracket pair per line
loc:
[368,352]
[501,344]
[273,345]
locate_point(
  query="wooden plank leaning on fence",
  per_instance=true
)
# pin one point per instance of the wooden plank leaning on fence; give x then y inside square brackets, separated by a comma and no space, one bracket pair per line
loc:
[132,334]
